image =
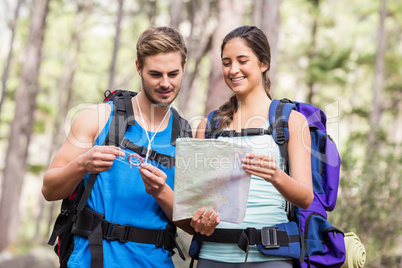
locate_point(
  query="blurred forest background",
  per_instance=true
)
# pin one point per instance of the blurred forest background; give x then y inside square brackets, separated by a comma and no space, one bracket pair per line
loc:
[58,56]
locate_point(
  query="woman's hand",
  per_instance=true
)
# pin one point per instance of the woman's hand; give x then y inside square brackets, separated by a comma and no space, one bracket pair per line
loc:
[205,223]
[261,165]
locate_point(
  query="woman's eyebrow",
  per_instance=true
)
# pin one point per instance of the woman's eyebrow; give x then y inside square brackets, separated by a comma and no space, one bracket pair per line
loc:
[238,57]
[242,56]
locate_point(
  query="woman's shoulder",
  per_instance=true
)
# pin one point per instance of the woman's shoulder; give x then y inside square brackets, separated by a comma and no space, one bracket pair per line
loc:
[297,121]
[296,116]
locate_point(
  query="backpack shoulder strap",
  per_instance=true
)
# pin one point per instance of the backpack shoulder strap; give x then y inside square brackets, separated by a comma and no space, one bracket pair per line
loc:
[279,112]
[212,128]
[123,116]
[180,128]
[127,95]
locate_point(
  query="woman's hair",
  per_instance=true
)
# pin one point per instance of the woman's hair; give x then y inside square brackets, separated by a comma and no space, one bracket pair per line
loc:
[257,41]
[160,40]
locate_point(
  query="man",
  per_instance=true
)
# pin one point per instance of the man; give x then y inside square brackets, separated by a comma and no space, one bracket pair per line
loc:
[141,198]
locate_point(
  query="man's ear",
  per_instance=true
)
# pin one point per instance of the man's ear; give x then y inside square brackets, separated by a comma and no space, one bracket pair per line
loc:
[137,64]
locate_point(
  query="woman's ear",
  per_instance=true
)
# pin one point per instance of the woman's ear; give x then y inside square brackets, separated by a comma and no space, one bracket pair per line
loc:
[264,67]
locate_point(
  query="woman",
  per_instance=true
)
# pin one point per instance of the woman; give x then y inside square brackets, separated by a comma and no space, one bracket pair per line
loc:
[246,59]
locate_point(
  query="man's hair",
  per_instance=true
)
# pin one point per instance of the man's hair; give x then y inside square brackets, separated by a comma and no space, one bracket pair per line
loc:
[160,40]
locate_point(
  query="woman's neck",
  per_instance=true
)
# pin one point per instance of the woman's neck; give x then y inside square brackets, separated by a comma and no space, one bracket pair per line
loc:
[252,111]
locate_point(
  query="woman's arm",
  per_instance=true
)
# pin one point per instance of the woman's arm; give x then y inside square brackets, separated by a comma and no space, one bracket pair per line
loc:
[296,188]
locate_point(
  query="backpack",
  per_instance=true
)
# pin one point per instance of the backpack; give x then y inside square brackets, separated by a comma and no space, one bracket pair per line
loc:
[320,244]
[77,219]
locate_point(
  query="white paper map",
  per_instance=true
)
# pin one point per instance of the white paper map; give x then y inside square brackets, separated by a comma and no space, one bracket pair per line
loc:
[208,173]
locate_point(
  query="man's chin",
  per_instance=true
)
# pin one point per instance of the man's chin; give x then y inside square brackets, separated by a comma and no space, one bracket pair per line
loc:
[159,100]
[163,104]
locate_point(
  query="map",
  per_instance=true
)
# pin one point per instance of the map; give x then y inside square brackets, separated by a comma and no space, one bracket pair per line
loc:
[209,174]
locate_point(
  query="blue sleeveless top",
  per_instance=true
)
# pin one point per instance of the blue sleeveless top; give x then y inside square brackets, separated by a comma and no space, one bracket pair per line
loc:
[265,207]
[119,194]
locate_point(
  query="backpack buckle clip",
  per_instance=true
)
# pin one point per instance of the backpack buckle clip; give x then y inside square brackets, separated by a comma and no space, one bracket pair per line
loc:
[251,235]
[152,154]
[126,233]
[124,143]
[216,134]
[114,231]
[159,238]
[231,133]
[144,151]
[148,151]
[269,237]
[280,136]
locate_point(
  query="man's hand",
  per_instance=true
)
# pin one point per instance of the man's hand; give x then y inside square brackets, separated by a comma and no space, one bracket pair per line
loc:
[99,158]
[154,179]
[205,223]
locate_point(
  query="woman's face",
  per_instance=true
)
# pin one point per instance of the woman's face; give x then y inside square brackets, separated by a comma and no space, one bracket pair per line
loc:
[241,68]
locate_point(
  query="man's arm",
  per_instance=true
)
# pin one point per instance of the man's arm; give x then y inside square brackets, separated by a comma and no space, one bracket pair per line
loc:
[76,157]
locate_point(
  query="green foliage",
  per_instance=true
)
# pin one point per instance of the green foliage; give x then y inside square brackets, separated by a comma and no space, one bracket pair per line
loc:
[323,66]
[340,64]
[40,126]
[36,169]
[370,199]
[338,60]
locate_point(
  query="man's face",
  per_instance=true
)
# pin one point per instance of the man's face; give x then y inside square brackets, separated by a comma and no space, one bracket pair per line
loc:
[161,77]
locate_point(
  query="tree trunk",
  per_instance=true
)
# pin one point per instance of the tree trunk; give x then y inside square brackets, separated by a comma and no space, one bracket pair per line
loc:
[116,45]
[10,54]
[313,49]
[230,16]
[152,12]
[66,85]
[176,13]
[198,44]
[257,12]
[270,24]
[375,115]
[395,127]
[21,127]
